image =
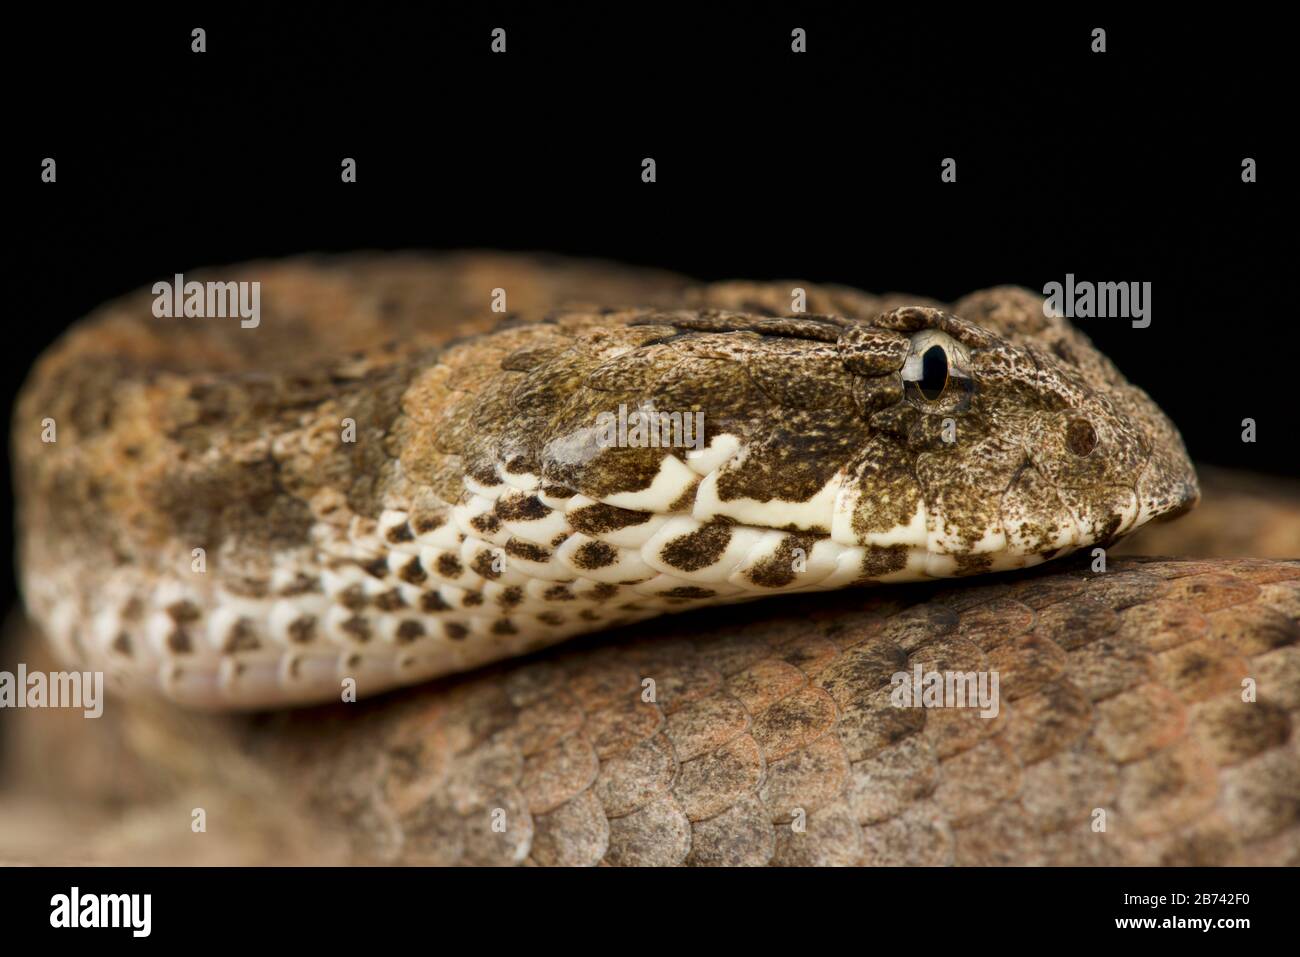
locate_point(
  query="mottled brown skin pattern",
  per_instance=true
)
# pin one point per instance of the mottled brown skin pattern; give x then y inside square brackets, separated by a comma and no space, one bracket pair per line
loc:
[167,426]
[184,434]
[1120,691]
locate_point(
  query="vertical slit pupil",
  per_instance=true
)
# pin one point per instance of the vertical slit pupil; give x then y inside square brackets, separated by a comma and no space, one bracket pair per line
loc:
[934,372]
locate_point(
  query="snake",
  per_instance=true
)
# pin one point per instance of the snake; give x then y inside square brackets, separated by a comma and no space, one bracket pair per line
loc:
[415,466]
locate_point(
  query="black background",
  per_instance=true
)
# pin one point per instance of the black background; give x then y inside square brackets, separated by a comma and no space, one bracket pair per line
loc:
[1123,166]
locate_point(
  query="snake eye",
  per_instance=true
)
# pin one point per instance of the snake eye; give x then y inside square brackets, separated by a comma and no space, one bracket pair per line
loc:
[1080,437]
[934,373]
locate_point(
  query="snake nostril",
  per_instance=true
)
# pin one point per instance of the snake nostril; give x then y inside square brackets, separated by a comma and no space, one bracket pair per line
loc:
[1080,437]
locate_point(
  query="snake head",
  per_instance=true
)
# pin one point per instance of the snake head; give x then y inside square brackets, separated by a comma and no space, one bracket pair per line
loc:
[916,443]
[1001,437]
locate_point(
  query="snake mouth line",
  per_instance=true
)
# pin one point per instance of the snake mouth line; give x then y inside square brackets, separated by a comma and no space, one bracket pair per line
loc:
[1191,499]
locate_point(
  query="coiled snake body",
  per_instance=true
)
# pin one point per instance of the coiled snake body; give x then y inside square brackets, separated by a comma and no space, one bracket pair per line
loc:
[346,496]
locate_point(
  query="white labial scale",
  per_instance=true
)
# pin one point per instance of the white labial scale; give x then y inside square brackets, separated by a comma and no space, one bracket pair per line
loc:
[493,592]
[158,625]
[390,519]
[630,536]
[510,574]
[940,566]
[1026,539]
[819,563]
[335,545]
[669,484]
[628,566]
[552,570]
[363,534]
[913,533]
[714,455]
[437,624]
[816,513]
[541,531]
[533,605]
[1007,560]
[479,627]
[429,562]
[993,540]
[411,595]
[286,573]
[332,623]
[846,502]
[1085,531]
[399,553]
[848,568]
[217,626]
[454,596]
[374,587]
[524,481]
[170,590]
[105,626]
[943,539]
[914,568]
[489,492]
[663,582]
[741,542]
[336,581]
[553,501]
[107,621]
[285,611]
[397,558]
[635,536]
[463,515]
[386,625]
[939,535]
[825,560]
[256,610]
[445,536]
[1129,514]
[1145,514]
[535,591]
[576,502]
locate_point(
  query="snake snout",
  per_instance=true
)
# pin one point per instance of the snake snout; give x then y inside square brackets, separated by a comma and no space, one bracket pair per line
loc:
[1167,487]
[1187,497]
